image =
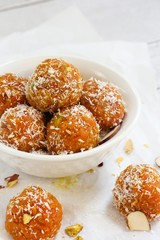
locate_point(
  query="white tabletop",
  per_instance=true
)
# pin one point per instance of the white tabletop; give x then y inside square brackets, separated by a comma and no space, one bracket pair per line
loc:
[130,20]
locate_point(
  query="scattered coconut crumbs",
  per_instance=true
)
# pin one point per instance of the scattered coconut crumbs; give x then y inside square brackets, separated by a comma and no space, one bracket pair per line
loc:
[65,182]
[119,160]
[146,145]
[128,148]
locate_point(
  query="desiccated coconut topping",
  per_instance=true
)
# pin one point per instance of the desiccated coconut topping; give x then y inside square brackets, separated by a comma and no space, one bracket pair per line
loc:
[11,84]
[54,83]
[34,206]
[134,184]
[70,123]
[20,124]
[104,100]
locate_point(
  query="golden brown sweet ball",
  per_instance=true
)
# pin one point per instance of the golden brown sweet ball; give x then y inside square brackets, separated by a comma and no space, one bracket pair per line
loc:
[138,189]
[72,130]
[104,101]
[12,91]
[55,84]
[34,214]
[22,127]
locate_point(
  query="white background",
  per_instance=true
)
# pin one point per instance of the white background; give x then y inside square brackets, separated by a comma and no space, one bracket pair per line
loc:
[130,20]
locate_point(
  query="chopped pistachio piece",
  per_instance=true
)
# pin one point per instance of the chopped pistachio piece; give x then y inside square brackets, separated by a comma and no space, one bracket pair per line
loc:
[78,238]
[26,218]
[12,178]
[73,230]
[12,183]
[57,120]
[90,170]
[69,69]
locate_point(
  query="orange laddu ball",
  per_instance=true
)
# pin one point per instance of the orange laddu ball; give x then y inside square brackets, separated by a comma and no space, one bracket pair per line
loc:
[12,91]
[22,127]
[34,214]
[72,130]
[54,84]
[138,189]
[104,101]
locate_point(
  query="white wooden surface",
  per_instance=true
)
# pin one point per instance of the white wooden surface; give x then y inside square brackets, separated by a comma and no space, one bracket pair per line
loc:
[130,20]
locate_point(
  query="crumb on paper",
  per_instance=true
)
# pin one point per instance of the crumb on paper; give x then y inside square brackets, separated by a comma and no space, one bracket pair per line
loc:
[78,238]
[90,171]
[65,182]
[146,145]
[113,174]
[128,148]
[1,187]
[119,160]
[73,230]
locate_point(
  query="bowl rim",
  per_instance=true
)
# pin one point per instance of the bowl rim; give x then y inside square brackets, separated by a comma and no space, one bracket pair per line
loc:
[88,153]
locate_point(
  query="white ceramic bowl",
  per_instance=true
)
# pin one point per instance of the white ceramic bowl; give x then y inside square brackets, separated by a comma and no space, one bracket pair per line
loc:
[65,165]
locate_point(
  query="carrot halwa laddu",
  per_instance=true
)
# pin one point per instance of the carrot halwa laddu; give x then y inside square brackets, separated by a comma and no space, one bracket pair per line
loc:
[54,84]
[12,91]
[72,130]
[138,189]
[22,127]
[34,214]
[104,101]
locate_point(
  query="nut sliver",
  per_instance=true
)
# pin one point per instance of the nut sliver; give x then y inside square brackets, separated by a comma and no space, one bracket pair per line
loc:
[157,160]
[73,230]
[26,218]
[137,221]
